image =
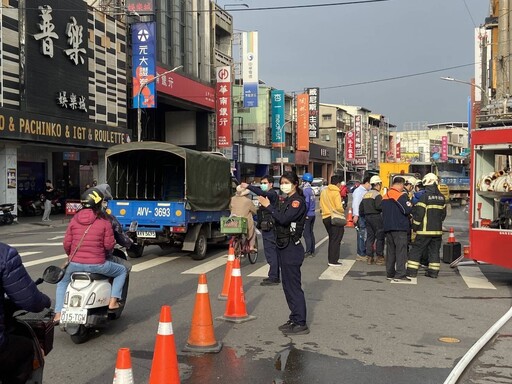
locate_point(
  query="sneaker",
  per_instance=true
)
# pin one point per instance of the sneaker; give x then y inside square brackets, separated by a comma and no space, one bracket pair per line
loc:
[268,281]
[360,258]
[296,329]
[402,279]
[286,325]
[380,260]
[336,264]
[430,275]
[369,260]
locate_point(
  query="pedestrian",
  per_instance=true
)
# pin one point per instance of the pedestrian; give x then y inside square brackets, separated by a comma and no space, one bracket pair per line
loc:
[396,209]
[46,199]
[427,221]
[409,186]
[357,197]
[266,225]
[309,196]
[330,201]
[289,218]
[344,194]
[242,206]
[371,209]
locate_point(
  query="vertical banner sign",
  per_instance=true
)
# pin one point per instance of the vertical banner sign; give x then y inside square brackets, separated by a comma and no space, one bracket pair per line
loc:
[397,156]
[223,110]
[376,146]
[277,103]
[350,146]
[302,122]
[358,123]
[444,148]
[314,106]
[250,68]
[144,65]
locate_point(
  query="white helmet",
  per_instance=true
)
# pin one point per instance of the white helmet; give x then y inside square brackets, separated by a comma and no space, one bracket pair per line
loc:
[375,180]
[429,179]
[412,180]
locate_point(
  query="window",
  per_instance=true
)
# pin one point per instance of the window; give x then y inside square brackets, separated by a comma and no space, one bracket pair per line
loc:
[325,137]
[247,137]
[327,117]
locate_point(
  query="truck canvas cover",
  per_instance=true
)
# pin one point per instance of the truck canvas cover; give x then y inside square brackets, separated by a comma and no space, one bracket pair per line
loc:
[165,172]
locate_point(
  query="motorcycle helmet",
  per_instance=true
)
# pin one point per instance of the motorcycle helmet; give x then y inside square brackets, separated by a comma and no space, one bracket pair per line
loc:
[92,198]
[375,180]
[307,177]
[429,179]
[106,191]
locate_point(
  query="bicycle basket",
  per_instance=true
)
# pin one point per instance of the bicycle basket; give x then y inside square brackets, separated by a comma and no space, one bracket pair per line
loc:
[233,225]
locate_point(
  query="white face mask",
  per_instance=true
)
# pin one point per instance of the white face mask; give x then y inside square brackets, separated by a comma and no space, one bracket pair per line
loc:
[264,187]
[286,188]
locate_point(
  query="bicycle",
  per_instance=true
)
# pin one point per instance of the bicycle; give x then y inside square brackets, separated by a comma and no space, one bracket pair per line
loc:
[237,227]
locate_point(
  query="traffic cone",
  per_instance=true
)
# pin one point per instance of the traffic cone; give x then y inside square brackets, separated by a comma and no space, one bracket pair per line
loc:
[201,337]
[227,274]
[350,219]
[235,306]
[451,236]
[123,373]
[164,368]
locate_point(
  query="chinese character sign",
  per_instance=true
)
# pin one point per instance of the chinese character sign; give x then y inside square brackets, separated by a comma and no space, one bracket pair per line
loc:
[376,146]
[358,128]
[303,122]
[314,106]
[444,148]
[250,68]
[350,146]
[223,109]
[144,65]
[277,103]
[397,156]
[140,6]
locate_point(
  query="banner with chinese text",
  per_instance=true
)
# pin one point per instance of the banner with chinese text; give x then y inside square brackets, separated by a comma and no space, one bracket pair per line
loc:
[444,148]
[302,122]
[358,127]
[314,106]
[223,108]
[277,104]
[144,65]
[250,68]
[350,148]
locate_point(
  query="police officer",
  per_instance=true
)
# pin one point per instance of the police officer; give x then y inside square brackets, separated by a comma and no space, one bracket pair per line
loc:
[371,209]
[427,220]
[265,224]
[289,218]
[309,196]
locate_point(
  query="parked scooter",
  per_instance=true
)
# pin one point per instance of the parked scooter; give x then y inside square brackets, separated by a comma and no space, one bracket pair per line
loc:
[86,304]
[6,215]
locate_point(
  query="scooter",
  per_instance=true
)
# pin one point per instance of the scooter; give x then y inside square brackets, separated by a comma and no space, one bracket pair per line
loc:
[86,304]
[6,215]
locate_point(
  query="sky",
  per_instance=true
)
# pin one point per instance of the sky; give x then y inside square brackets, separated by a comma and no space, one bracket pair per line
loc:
[337,46]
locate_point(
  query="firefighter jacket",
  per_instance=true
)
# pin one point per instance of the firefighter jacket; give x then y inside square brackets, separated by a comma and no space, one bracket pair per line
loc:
[371,203]
[396,209]
[429,213]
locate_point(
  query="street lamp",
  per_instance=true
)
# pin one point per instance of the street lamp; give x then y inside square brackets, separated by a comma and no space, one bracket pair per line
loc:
[484,93]
[139,111]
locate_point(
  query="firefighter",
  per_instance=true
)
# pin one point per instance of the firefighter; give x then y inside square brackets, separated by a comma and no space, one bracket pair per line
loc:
[427,220]
[370,208]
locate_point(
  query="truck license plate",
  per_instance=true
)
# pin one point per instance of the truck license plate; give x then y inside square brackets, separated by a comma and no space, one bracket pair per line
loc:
[148,234]
[74,316]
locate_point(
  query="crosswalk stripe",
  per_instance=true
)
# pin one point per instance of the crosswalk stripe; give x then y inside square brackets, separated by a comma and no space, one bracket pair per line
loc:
[322,241]
[337,273]
[206,267]
[153,263]
[29,253]
[261,272]
[36,245]
[45,260]
[474,278]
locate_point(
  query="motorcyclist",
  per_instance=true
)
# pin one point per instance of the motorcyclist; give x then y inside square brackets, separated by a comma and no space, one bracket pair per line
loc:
[16,352]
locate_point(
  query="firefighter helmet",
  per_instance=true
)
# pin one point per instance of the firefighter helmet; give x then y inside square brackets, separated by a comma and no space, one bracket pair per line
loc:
[429,179]
[375,180]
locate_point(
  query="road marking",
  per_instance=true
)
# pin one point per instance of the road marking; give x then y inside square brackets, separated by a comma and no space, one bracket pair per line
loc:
[29,253]
[36,245]
[56,237]
[206,267]
[474,278]
[261,272]
[45,260]
[153,263]
[337,273]
[322,241]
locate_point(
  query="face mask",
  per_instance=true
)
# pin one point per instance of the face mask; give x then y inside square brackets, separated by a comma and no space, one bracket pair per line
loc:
[286,188]
[264,187]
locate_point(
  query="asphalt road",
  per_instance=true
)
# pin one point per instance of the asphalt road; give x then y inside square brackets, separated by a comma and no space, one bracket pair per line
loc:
[363,328]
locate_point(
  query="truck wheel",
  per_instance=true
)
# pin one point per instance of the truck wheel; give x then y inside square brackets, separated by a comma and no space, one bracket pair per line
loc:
[135,251]
[201,245]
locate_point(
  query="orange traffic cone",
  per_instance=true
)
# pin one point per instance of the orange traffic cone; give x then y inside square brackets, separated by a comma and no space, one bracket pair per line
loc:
[123,373]
[227,274]
[201,337]
[451,236]
[164,368]
[350,219]
[235,306]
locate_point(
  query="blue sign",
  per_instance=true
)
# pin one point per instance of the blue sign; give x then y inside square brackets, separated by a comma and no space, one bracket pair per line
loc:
[250,95]
[144,65]
[436,156]
[277,103]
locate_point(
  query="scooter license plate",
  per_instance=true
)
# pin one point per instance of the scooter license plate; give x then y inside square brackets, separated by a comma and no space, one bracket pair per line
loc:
[77,316]
[148,234]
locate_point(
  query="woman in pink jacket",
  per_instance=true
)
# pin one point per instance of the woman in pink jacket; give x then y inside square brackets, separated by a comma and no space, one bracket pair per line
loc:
[88,240]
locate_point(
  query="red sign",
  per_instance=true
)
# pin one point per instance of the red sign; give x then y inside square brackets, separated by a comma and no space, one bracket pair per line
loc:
[359,162]
[223,110]
[303,122]
[397,148]
[183,88]
[350,146]
[444,148]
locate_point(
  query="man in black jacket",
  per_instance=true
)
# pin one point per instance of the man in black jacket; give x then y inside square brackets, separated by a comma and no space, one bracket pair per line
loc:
[371,209]
[17,352]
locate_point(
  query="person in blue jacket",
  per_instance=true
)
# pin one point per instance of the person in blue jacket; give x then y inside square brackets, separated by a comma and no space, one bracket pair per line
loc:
[309,196]
[16,352]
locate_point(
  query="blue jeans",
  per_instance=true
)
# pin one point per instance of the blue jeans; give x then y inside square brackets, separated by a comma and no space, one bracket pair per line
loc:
[117,271]
[361,236]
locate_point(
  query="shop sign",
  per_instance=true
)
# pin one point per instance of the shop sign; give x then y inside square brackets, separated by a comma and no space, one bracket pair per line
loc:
[359,162]
[302,122]
[250,68]
[223,90]
[314,106]
[350,148]
[376,146]
[358,128]
[277,105]
[140,6]
[444,148]
[144,65]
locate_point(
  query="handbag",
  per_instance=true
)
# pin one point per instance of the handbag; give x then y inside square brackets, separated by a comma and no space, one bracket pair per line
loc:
[337,218]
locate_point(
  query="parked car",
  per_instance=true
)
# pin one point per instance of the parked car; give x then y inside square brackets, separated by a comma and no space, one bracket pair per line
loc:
[316,185]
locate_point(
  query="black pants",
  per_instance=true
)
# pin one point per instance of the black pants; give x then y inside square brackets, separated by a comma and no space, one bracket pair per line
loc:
[269,245]
[396,242]
[374,235]
[16,360]
[429,244]
[309,234]
[335,236]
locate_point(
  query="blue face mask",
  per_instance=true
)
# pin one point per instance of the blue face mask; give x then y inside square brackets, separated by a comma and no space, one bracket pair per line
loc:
[264,187]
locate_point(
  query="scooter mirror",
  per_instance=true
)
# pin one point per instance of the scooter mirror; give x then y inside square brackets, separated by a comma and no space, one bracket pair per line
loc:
[53,274]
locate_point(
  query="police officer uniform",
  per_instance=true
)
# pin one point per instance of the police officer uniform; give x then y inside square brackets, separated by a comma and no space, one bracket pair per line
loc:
[371,208]
[289,217]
